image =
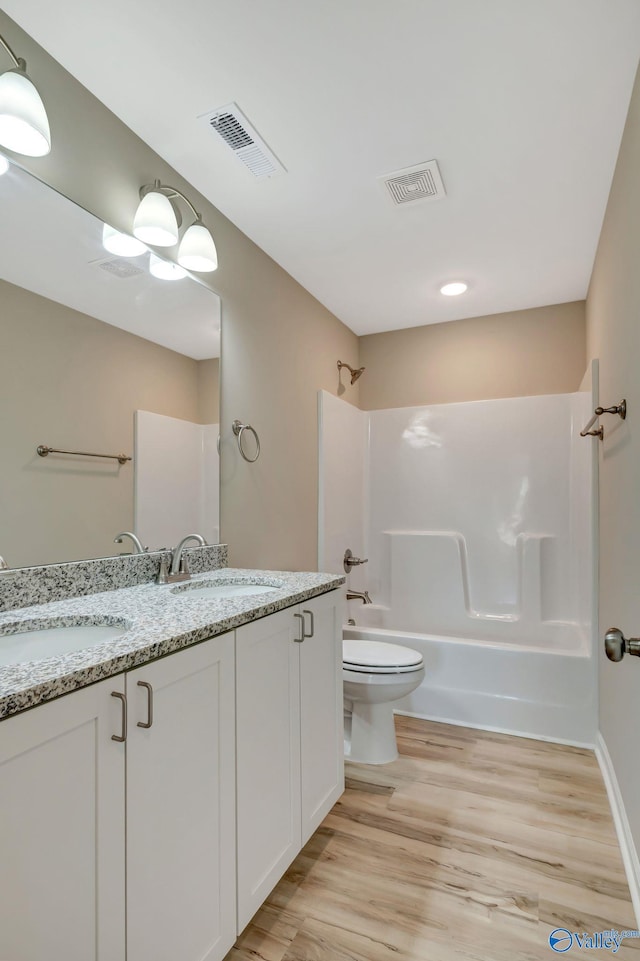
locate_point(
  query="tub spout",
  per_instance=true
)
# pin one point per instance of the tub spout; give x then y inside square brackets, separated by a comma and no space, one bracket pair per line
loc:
[359,596]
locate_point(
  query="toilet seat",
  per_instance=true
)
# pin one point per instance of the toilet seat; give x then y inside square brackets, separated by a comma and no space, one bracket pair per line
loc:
[375,677]
[376,657]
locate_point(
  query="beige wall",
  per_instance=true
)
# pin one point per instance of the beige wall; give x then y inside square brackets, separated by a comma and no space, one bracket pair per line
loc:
[613,323]
[68,380]
[279,344]
[274,362]
[537,351]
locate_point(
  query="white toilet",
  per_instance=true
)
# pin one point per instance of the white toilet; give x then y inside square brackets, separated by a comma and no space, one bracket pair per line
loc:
[375,675]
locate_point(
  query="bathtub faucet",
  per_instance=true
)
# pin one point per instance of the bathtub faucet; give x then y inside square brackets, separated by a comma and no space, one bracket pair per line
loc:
[359,596]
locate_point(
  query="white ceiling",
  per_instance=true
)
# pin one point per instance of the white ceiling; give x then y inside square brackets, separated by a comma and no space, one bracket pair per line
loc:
[53,247]
[522,103]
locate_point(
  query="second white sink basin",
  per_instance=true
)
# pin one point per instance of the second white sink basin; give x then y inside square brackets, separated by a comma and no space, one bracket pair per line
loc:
[233,590]
[197,590]
[35,643]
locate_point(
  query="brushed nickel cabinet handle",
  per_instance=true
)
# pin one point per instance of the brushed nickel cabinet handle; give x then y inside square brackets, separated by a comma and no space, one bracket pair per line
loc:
[149,691]
[123,735]
[311,633]
[300,639]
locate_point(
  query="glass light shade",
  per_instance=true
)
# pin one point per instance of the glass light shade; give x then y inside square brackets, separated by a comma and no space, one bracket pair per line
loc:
[155,221]
[4,165]
[164,269]
[197,250]
[24,126]
[121,244]
[452,290]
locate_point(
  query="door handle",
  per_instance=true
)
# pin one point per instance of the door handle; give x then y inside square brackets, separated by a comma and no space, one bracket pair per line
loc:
[122,737]
[312,631]
[149,691]
[300,639]
[616,645]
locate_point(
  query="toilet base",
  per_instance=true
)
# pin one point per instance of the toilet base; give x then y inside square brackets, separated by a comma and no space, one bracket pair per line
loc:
[370,734]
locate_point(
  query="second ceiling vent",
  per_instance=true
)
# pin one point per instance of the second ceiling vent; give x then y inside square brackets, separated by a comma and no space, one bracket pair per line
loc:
[422,182]
[231,125]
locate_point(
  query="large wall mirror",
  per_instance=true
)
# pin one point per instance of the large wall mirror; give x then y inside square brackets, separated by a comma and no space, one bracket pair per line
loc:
[97,355]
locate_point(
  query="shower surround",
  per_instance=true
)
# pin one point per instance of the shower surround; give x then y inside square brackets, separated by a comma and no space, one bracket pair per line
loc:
[477,519]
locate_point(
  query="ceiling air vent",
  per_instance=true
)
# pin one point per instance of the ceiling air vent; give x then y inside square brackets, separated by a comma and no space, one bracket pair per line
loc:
[231,125]
[119,267]
[415,183]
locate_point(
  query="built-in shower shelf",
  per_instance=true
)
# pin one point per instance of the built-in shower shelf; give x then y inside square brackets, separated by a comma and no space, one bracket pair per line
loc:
[432,585]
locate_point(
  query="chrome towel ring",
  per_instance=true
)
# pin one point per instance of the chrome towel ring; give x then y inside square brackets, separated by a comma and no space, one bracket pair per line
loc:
[238,430]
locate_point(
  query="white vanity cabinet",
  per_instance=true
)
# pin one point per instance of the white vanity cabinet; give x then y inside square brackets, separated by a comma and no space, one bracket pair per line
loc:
[290,768]
[181,851]
[62,830]
[321,709]
[129,807]
[67,789]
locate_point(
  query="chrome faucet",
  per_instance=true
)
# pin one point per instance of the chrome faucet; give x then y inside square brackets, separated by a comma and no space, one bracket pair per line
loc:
[178,562]
[139,549]
[359,596]
[179,570]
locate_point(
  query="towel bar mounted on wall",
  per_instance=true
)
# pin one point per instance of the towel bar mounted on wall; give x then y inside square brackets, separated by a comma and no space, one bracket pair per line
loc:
[238,430]
[619,409]
[45,451]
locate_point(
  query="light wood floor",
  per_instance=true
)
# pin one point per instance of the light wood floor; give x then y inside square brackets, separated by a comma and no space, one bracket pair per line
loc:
[470,847]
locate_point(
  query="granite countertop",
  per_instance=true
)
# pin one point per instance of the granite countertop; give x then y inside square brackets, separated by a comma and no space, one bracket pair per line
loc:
[158,621]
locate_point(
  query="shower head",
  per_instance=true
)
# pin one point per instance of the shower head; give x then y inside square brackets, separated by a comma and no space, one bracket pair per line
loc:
[354,373]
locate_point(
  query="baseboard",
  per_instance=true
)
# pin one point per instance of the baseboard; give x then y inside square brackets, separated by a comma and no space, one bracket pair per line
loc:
[497,730]
[623,830]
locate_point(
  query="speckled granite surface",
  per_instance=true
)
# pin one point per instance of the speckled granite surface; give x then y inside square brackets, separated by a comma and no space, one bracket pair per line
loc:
[160,620]
[40,585]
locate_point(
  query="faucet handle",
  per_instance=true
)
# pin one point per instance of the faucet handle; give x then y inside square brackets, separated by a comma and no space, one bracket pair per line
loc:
[163,573]
[3,564]
[350,561]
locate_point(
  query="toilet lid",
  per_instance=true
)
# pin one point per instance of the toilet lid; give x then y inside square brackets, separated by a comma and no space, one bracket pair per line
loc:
[369,655]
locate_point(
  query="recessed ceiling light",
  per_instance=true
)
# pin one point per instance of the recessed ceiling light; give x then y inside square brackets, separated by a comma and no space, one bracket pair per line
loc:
[164,269]
[452,290]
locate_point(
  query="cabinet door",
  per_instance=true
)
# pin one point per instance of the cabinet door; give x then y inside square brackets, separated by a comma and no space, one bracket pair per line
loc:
[321,709]
[268,756]
[62,829]
[181,806]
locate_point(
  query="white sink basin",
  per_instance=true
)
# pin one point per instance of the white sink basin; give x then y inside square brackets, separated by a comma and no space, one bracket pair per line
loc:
[197,591]
[35,644]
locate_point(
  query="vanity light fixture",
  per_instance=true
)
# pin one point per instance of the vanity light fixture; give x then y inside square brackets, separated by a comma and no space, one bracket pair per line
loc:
[24,125]
[122,245]
[4,165]
[197,250]
[158,220]
[165,269]
[454,289]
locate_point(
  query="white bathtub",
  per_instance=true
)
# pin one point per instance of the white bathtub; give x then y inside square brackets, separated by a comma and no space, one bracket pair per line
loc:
[524,690]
